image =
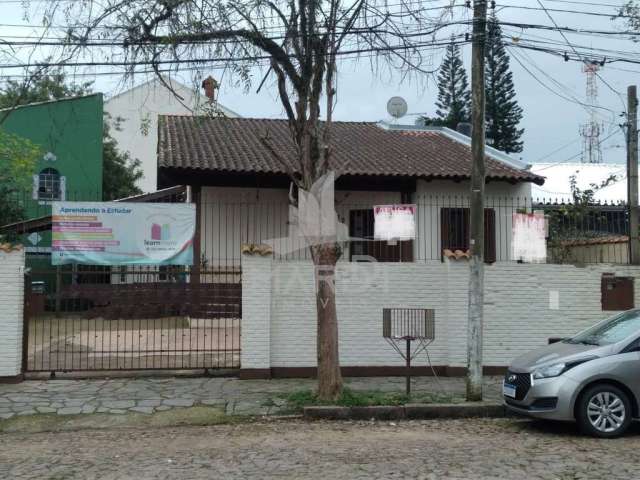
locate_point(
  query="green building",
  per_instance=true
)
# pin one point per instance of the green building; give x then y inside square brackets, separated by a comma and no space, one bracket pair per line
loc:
[69,133]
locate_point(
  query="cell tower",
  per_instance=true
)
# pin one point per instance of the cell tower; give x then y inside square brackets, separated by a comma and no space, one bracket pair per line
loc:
[590,131]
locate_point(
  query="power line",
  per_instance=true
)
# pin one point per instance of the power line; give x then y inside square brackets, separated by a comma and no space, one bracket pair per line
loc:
[624,107]
[557,150]
[572,100]
[557,10]
[570,2]
[568,160]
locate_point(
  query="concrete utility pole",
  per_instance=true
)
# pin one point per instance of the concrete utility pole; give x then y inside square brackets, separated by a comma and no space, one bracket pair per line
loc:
[632,175]
[476,241]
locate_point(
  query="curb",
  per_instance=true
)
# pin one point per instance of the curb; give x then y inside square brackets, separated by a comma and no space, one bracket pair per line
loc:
[414,411]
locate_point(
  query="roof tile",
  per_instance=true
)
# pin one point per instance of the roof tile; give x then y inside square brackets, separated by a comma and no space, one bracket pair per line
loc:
[358,148]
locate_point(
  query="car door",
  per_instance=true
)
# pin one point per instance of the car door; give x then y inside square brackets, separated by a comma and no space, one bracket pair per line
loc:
[629,368]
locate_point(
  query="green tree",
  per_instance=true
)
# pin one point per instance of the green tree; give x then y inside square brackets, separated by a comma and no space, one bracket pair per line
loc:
[18,157]
[42,88]
[120,172]
[503,114]
[454,97]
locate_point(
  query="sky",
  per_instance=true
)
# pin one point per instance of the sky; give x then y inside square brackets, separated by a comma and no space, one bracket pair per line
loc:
[551,123]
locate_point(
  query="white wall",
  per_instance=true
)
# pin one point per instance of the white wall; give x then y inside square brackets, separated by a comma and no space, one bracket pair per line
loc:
[518,313]
[140,106]
[11,311]
[232,216]
[503,197]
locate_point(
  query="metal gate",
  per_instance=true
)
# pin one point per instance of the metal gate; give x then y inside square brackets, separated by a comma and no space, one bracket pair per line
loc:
[90,318]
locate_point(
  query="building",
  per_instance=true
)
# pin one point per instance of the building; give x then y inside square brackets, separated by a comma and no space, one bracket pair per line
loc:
[244,190]
[69,133]
[135,113]
[557,186]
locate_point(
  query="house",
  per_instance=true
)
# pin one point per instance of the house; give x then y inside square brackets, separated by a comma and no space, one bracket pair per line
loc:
[243,191]
[69,133]
[135,113]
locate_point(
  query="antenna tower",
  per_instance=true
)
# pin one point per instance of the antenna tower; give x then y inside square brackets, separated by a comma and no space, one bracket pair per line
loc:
[590,131]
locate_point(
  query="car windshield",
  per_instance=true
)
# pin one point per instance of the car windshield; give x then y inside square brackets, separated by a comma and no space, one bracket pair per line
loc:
[611,330]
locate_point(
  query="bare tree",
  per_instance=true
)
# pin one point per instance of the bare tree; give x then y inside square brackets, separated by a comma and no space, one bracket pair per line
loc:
[300,41]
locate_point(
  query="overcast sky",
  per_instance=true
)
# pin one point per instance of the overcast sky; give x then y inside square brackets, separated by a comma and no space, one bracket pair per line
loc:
[551,123]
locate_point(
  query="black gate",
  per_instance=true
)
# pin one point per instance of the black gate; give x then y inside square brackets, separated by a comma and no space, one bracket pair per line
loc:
[90,318]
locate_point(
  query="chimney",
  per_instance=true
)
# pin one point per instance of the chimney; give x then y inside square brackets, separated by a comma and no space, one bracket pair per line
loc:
[464,128]
[210,85]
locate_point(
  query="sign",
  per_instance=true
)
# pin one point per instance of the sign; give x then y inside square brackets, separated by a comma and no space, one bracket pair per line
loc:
[35,238]
[394,222]
[528,239]
[118,233]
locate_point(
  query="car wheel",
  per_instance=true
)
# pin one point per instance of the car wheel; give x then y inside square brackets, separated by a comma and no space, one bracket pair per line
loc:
[604,411]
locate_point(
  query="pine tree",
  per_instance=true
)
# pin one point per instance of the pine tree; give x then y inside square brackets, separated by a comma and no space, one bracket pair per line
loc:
[503,114]
[454,97]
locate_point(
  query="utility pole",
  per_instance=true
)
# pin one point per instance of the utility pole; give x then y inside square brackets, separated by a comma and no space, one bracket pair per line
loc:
[632,175]
[476,240]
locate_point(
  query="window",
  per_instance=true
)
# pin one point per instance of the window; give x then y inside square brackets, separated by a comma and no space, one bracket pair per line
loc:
[361,225]
[454,225]
[49,183]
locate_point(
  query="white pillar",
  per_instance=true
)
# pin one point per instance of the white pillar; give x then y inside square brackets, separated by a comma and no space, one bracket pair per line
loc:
[256,316]
[11,311]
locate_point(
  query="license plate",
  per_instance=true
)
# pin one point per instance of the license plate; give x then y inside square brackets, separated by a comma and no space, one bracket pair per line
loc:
[509,390]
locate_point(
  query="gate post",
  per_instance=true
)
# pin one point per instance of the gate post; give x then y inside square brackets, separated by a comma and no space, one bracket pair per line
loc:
[12,260]
[255,340]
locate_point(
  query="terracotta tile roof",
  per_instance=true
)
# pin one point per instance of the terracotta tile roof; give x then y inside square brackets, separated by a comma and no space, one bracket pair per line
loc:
[359,148]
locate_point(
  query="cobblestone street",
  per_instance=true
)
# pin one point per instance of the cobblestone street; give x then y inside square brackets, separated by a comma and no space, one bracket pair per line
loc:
[451,449]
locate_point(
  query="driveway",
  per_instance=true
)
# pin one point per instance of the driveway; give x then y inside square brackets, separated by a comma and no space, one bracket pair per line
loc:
[452,449]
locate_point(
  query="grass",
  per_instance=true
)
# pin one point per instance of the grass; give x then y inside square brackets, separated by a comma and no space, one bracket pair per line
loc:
[358,398]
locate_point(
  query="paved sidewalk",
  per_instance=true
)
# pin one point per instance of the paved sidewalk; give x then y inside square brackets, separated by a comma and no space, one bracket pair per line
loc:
[149,395]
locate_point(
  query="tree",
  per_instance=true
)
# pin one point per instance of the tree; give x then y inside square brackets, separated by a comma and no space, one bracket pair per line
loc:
[631,12]
[42,88]
[120,172]
[579,220]
[18,157]
[503,114]
[454,97]
[300,41]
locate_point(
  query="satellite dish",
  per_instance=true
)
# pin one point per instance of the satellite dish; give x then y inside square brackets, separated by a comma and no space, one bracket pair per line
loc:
[397,107]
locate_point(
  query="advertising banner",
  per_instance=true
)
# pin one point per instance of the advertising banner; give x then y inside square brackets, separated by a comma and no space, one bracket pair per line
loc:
[528,239]
[118,233]
[394,222]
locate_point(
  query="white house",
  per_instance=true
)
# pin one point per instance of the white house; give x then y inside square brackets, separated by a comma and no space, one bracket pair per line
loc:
[243,191]
[137,110]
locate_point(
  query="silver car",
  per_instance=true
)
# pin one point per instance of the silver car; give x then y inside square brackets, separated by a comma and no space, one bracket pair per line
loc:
[592,378]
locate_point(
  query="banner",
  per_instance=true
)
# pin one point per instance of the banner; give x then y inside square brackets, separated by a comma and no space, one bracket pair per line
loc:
[115,233]
[528,237]
[394,222]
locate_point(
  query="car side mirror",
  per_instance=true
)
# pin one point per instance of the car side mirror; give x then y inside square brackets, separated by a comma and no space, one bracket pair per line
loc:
[555,339]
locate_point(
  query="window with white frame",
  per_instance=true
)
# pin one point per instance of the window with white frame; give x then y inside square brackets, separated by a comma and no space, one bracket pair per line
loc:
[50,184]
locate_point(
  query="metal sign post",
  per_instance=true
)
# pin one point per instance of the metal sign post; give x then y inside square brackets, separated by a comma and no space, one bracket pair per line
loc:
[404,325]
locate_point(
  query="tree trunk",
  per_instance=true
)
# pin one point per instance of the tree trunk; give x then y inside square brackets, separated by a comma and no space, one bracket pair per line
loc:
[325,257]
